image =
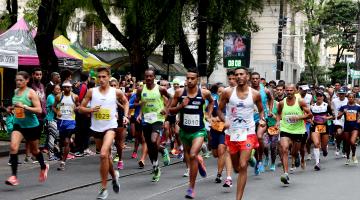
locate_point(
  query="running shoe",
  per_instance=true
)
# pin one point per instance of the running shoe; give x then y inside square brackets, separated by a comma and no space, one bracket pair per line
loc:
[61,166]
[207,154]
[115,182]
[88,152]
[186,174]
[134,155]
[272,167]
[180,156]
[166,157]
[202,167]
[43,173]
[12,180]
[317,167]
[337,153]
[190,194]
[285,178]
[120,165]
[218,178]
[157,174]
[78,154]
[325,153]
[70,157]
[141,164]
[261,167]
[116,158]
[53,158]
[252,161]
[347,162]
[228,183]
[266,162]
[256,170]
[343,155]
[309,157]
[103,194]
[29,159]
[355,160]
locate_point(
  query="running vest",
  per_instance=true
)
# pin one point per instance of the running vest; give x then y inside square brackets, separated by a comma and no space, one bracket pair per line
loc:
[240,114]
[106,117]
[66,107]
[264,104]
[291,126]
[25,119]
[153,105]
[192,115]
[319,111]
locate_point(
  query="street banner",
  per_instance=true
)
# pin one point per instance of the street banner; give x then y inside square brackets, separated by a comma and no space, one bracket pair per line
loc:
[8,59]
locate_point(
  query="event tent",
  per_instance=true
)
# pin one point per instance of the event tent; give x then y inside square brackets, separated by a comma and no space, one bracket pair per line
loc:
[19,38]
[88,61]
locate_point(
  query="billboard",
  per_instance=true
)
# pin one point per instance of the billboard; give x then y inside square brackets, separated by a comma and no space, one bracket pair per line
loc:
[236,50]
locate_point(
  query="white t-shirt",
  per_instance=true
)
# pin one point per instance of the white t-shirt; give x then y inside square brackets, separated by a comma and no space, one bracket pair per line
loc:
[336,104]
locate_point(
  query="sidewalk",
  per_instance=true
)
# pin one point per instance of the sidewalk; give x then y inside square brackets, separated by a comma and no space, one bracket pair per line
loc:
[5,146]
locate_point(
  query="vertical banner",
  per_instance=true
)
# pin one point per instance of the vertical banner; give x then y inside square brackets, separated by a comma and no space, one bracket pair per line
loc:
[236,50]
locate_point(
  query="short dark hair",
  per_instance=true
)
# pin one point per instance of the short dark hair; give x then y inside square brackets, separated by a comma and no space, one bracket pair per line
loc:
[36,70]
[263,79]
[106,69]
[280,85]
[230,73]
[281,82]
[356,85]
[255,73]
[243,68]
[84,76]
[273,82]
[24,74]
[193,70]
[150,70]
[214,88]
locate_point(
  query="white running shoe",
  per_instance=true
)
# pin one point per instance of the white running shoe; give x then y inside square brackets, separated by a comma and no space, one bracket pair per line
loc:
[186,174]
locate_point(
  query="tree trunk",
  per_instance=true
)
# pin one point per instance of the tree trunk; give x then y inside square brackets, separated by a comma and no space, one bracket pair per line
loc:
[357,46]
[202,42]
[12,8]
[138,64]
[186,56]
[48,16]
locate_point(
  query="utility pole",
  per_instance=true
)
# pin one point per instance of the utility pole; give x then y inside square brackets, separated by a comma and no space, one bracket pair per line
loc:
[202,32]
[279,62]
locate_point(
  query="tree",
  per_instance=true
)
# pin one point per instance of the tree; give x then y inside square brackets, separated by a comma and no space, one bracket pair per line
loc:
[12,8]
[338,73]
[338,18]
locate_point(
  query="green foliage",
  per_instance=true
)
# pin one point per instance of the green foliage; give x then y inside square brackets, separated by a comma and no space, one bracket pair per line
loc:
[5,21]
[30,12]
[338,72]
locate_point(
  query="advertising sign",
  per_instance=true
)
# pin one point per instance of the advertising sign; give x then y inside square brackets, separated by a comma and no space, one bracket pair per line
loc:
[236,50]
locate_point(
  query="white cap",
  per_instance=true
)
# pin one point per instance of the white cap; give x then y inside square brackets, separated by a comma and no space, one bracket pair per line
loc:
[304,87]
[67,83]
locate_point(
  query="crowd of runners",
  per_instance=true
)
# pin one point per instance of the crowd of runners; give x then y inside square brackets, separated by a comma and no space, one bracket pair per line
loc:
[244,122]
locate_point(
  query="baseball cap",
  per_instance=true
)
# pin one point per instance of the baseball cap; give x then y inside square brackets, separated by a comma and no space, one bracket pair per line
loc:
[176,81]
[304,87]
[67,84]
[342,91]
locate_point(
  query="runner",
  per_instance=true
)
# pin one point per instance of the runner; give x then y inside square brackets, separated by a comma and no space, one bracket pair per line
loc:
[319,130]
[267,103]
[292,112]
[26,105]
[190,103]
[351,111]
[152,115]
[66,103]
[271,140]
[337,103]
[241,136]
[104,123]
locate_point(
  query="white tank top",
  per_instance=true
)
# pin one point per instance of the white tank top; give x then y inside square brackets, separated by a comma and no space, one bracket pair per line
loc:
[240,112]
[66,107]
[106,117]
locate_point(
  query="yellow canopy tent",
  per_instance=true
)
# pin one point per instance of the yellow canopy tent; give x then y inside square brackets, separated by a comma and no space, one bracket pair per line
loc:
[88,62]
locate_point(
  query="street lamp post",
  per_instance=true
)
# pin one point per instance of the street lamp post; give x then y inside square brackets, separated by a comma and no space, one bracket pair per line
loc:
[79,26]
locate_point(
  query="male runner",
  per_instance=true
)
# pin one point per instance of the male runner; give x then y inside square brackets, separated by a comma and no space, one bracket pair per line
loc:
[241,137]
[190,103]
[267,103]
[66,104]
[337,103]
[153,112]
[103,111]
[292,112]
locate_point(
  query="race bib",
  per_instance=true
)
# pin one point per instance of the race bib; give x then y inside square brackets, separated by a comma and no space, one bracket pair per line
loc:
[66,110]
[19,113]
[289,120]
[191,120]
[102,114]
[150,117]
[238,134]
[350,116]
[320,129]
[132,112]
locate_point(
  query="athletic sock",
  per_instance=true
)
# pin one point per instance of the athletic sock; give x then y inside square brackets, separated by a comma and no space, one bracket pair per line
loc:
[40,158]
[317,155]
[14,163]
[155,164]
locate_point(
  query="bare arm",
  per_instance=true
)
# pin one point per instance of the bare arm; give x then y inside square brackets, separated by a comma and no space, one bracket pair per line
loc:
[124,102]
[210,106]
[224,99]
[83,107]
[307,113]
[54,107]
[175,107]
[258,103]
[279,108]
[36,108]
[270,101]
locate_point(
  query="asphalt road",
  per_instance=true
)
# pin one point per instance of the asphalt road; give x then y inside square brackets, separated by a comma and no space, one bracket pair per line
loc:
[81,181]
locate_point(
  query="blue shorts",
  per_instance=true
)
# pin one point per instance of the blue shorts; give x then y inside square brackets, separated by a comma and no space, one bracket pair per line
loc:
[217,138]
[66,125]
